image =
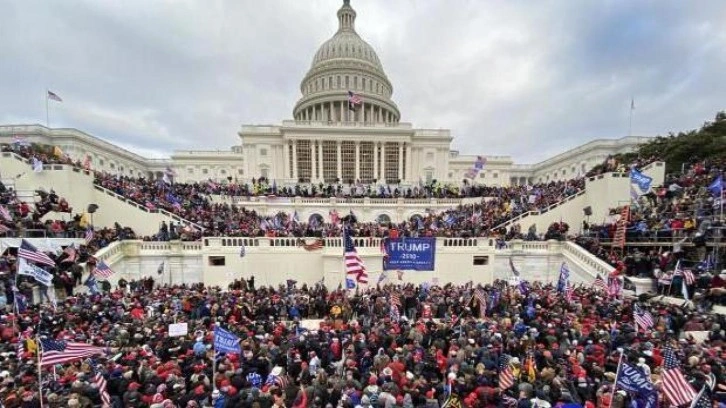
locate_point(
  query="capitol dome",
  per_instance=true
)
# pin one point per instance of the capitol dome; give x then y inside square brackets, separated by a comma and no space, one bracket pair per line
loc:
[346,64]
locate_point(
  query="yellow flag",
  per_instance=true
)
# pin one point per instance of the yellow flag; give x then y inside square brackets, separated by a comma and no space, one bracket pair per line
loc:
[57,152]
[85,220]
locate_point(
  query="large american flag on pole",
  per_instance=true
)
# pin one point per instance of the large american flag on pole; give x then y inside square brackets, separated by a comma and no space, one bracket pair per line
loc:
[481,299]
[676,388]
[29,252]
[102,270]
[353,263]
[60,352]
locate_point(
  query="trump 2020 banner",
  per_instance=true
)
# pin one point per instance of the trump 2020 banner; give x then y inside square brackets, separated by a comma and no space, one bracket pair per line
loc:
[416,254]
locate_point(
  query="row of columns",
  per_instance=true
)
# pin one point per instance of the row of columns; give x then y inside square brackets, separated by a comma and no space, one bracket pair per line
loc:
[326,111]
[379,166]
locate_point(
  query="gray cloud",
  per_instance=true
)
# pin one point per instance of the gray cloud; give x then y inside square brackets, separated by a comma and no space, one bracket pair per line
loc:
[528,79]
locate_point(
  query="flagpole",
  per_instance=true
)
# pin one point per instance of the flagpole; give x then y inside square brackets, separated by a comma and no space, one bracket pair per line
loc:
[630,125]
[47,116]
[617,374]
[39,350]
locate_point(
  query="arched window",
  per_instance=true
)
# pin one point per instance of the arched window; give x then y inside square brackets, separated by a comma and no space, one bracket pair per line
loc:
[316,220]
[383,219]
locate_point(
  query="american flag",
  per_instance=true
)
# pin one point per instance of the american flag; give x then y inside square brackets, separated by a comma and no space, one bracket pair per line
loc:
[20,141]
[60,352]
[72,254]
[396,299]
[481,299]
[642,318]
[600,283]
[279,381]
[666,278]
[317,244]
[687,274]
[89,236]
[615,287]
[5,213]
[100,381]
[334,217]
[506,378]
[675,386]
[29,252]
[53,97]
[353,263]
[354,99]
[102,271]
[569,292]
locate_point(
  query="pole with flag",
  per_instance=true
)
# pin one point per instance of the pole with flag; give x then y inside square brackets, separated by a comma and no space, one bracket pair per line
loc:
[632,108]
[617,374]
[49,95]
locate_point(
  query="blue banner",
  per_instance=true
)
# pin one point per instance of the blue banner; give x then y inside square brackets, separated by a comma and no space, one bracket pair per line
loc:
[416,254]
[225,341]
[634,380]
[643,181]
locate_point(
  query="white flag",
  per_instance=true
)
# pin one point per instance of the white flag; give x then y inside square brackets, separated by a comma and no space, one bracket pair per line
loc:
[37,165]
[39,274]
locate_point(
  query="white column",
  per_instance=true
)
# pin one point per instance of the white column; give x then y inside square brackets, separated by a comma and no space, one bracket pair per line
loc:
[363,112]
[375,160]
[383,162]
[294,160]
[339,162]
[330,111]
[400,160]
[285,160]
[312,161]
[357,160]
[409,163]
[321,176]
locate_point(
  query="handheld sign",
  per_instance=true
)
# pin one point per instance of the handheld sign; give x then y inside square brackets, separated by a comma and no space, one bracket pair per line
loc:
[178,329]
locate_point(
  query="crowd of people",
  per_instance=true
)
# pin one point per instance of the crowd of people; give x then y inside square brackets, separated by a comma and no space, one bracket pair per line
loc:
[525,345]
[389,346]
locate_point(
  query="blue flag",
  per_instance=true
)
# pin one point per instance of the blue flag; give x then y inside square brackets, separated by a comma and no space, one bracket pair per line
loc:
[716,188]
[633,380]
[349,283]
[92,284]
[21,302]
[226,342]
[643,181]
[564,278]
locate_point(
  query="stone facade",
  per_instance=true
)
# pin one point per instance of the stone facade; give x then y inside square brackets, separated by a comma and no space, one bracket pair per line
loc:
[345,128]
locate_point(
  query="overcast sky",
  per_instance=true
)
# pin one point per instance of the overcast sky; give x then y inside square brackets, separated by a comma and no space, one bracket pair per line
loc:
[524,78]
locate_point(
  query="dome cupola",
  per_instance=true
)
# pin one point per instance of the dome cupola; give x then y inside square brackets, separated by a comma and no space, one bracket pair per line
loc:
[344,65]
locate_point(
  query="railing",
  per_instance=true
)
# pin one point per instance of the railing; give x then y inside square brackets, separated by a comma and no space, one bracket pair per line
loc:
[112,250]
[246,200]
[42,233]
[325,123]
[145,209]
[539,212]
[587,259]
[359,242]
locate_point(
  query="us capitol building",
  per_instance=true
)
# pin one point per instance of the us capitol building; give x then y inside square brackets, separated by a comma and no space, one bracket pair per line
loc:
[326,141]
